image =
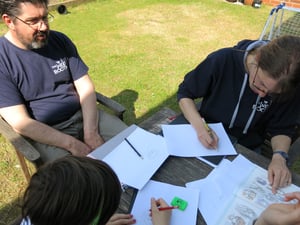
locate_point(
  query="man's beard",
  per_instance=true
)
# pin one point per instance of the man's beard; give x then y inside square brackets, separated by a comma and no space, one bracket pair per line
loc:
[38,43]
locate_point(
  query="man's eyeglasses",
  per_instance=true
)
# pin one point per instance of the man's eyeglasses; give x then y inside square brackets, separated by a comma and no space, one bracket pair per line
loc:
[36,22]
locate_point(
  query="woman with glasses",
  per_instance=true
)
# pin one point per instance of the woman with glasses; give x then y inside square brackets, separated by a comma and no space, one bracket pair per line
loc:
[253,89]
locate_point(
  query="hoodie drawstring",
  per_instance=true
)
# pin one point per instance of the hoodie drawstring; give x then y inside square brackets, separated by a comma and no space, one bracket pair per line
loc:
[238,105]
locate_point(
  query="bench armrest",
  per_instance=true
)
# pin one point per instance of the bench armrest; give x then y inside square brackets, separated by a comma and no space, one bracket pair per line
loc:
[20,143]
[116,107]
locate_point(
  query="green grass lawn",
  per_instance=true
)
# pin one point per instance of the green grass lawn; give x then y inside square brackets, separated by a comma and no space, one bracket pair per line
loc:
[145,47]
[138,53]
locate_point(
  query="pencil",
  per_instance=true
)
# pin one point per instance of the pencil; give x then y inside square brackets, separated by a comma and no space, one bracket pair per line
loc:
[166,208]
[209,130]
[133,148]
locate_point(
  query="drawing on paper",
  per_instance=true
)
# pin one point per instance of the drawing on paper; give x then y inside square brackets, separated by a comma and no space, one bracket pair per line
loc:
[252,197]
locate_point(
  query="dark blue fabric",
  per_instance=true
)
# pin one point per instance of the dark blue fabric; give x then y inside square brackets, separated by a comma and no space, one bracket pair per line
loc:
[41,78]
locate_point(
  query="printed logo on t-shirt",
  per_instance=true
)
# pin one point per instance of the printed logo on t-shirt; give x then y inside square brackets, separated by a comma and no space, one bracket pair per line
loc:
[60,66]
[262,106]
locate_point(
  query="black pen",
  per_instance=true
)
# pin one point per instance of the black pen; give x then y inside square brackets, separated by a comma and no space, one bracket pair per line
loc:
[134,149]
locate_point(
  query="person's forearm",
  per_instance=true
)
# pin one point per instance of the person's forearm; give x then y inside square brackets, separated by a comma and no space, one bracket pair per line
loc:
[45,134]
[86,92]
[190,112]
[281,142]
[90,114]
[17,117]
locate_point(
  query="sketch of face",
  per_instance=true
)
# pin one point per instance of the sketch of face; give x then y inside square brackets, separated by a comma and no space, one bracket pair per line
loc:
[245,211]
[236,220]
[261,181]
[249,194]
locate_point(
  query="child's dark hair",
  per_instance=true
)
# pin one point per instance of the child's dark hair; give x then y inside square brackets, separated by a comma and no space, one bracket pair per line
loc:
[72,190]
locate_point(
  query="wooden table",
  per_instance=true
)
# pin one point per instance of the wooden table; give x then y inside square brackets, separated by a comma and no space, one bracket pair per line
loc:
[178,170]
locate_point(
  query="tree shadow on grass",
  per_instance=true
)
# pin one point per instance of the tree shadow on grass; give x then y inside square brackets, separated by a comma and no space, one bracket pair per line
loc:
[128,98]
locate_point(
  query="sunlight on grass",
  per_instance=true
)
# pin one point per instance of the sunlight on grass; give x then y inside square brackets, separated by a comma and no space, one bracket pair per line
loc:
[12,182]
[149,46]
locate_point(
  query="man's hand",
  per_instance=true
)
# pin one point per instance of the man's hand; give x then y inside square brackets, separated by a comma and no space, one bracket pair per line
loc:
[78,148]
[93,141]
[278,173]
[121,219]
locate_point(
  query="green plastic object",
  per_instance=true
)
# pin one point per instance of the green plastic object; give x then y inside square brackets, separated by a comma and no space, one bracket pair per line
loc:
[180,203]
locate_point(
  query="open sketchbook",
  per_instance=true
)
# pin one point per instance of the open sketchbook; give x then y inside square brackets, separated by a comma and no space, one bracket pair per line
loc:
[236,193]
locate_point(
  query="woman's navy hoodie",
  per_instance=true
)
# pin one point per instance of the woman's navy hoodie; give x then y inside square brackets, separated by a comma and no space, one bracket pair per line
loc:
[219,79]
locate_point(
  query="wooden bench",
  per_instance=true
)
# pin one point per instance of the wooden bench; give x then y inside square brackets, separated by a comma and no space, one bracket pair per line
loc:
[154,122]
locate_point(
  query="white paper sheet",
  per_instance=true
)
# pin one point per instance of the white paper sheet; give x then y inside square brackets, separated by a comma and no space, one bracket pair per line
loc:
[213,198]
[182,141]
[129,167]
[157,190]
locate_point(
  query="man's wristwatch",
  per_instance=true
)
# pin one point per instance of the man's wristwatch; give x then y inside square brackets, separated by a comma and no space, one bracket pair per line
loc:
[284,155]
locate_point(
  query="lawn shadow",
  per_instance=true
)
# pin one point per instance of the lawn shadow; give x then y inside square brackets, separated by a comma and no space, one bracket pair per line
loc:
[128,98]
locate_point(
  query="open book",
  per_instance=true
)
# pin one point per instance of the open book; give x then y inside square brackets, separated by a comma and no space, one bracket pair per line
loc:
[236,191]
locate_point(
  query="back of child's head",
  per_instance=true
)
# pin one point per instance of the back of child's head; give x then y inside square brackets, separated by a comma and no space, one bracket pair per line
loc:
[72,190]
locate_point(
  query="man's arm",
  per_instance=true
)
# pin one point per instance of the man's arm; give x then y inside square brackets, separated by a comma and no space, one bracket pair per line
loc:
[86,92]
[278,172]
[18,117]
[190,112]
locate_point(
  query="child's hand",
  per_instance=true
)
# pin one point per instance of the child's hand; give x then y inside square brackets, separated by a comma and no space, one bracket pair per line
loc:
[160,217]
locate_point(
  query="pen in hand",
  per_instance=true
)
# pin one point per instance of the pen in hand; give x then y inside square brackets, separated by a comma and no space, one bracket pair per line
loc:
[166,208]
[209,130]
